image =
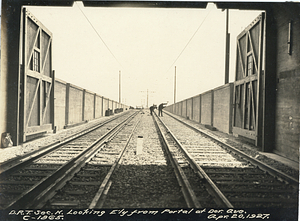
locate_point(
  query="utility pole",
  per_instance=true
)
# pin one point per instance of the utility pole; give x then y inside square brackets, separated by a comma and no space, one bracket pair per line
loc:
[148,96]
[227,50]
[119,86]
[175,86]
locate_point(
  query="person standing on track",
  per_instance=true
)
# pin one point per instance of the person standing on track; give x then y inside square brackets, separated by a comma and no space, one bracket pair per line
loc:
[160,107]
[152,108]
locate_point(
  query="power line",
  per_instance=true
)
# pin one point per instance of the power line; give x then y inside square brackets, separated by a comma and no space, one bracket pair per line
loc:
[190,39]
[99,35]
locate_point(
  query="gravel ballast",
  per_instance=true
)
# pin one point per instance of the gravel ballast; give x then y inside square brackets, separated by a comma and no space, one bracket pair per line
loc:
[144,180]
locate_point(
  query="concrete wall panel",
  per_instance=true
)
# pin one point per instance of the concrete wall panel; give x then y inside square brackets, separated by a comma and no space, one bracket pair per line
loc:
[189,108]
[75,105]
[98,107]
[206,106]
[173,109]
[196,108]
[179,108]
[89,106]
[105,105]
[184,109]
[60,104]
[176,108]
[169,108]
[114,105]
[222,108]
[110,104]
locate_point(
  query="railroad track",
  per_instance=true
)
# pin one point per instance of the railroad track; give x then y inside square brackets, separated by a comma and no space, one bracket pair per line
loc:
[197,193]
[145,178]
[86,173]
[97,183]
[89,186]
[13,164]
[35,178]
[233,178]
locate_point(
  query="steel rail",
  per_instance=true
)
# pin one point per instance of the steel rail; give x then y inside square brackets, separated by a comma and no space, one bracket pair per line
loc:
[36,195]
[42,199]
[16,163]
[100,196]
[188,193]
[263,166]
[214,189]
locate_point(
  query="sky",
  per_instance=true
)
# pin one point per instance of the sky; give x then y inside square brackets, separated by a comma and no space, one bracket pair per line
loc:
[93,46]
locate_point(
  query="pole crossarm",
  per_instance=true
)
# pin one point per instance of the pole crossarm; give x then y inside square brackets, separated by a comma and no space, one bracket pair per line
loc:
[148,95]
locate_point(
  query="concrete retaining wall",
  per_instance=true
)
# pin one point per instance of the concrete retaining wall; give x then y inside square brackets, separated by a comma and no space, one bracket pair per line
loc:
[98,106]
[189,108]
[89,105]
[184,108]
[60,104]
[222,103]
[213,108]
[196,108]
[206,108]
[105,104]
[74,105]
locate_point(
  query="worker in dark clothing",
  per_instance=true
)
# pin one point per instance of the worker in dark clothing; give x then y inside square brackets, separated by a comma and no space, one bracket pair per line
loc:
[160,107]
[152,108]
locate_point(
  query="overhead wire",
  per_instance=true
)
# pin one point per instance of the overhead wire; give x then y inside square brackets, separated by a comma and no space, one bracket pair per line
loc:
[116,57]
[99,35]
[189,40]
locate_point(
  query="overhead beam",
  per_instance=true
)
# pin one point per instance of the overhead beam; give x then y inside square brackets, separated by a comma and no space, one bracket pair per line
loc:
[120,3]
[244,5]
[48,2]
[154,4]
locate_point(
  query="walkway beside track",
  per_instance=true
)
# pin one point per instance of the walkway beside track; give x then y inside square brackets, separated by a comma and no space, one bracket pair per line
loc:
[241,142]
[16,151]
